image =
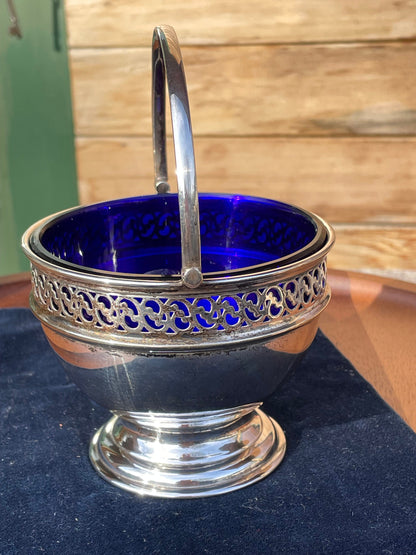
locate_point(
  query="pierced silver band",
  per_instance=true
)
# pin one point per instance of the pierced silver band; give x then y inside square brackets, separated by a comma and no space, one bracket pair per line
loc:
[207,318]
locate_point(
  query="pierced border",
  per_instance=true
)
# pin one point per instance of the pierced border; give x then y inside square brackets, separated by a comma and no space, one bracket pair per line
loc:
[141,314]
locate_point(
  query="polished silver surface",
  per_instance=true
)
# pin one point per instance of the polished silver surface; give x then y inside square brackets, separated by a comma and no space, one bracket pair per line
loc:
[216,452]
[138,379]
[203,320]
[184,364]
[167,63]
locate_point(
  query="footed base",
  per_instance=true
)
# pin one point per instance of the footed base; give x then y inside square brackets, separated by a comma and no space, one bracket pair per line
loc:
[188,455]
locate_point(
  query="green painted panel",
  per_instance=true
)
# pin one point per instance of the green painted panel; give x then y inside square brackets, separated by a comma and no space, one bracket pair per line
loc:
[37,159]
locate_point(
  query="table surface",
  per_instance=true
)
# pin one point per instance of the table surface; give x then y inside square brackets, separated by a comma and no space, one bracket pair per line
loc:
[371,320]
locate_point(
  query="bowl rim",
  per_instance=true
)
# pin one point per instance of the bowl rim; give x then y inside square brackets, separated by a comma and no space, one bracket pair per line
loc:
[33,248]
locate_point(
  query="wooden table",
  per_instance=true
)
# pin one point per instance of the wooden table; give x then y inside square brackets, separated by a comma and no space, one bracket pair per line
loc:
[371,320]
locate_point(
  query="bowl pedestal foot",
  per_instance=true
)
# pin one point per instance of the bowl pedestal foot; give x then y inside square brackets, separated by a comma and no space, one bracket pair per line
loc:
[187,455]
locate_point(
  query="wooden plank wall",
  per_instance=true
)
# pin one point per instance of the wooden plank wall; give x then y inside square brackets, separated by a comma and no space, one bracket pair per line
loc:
[311,102]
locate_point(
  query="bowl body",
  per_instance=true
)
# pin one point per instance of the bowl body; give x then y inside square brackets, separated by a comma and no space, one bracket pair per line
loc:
[184,370]
[173,373]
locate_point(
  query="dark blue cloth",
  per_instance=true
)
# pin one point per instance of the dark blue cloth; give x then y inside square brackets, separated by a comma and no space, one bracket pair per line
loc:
[346,485]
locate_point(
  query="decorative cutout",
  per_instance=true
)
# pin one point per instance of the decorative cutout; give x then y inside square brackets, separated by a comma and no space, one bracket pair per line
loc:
[193,315]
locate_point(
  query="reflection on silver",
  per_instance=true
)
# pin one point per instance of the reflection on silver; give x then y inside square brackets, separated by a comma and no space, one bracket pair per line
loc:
[139,317]
[167,62]
[215,452]
[184,364]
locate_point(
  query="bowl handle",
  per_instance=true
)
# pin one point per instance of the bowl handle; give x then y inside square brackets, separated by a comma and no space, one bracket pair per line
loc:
[167,65]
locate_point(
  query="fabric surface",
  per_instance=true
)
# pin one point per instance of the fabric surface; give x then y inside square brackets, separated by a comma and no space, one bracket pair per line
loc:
[346,485]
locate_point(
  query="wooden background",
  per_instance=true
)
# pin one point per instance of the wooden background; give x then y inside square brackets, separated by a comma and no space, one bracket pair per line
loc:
[311,102]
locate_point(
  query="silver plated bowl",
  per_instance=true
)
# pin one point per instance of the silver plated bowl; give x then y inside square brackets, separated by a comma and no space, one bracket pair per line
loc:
[182,347]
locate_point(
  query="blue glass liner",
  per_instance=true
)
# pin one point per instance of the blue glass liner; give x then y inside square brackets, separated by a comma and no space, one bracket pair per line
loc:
[141,235]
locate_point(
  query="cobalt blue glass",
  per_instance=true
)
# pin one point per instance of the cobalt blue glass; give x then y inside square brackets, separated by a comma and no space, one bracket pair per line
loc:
[141,235]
